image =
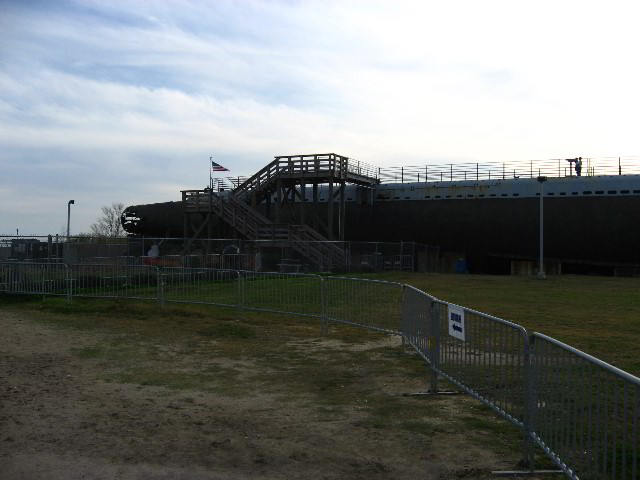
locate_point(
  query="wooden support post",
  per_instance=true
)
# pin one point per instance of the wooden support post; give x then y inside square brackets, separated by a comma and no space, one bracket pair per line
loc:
[315,206]
[303,194]
[185,219]
[343,212]
[209,234]
[268,206]
[330,211]
[278,199]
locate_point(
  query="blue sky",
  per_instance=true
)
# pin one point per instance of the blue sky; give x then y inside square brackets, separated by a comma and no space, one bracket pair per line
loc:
[104,101]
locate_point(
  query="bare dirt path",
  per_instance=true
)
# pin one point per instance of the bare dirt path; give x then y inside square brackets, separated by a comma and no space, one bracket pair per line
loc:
[59,418]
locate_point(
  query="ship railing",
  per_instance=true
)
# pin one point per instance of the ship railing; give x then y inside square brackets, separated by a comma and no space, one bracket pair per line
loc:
[558,168]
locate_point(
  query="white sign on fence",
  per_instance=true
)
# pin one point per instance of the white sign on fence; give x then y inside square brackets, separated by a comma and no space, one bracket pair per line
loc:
[456,322]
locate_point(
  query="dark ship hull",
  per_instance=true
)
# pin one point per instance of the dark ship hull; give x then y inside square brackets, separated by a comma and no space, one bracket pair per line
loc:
[590,223]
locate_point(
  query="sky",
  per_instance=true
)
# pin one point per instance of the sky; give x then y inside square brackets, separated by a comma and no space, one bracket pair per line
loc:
[106,101]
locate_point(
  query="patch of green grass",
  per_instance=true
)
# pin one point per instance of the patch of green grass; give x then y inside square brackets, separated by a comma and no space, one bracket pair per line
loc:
[228,330]
[19,300]
[420,427]
[486,423]
[88,352]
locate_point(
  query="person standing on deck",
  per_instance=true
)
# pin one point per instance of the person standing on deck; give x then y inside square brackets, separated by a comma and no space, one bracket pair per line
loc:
[578,166]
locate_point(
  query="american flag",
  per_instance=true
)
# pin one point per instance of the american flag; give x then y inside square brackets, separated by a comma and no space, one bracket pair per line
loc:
[218,168]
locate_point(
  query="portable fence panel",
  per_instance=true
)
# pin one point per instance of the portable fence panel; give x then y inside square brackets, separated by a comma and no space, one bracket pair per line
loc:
[291,293]
[33,278]
[418,327]
[367,303]
[586,412]
[122,260]
[199,285]
[113,281]
[485,356]
[6,274]
[240,261]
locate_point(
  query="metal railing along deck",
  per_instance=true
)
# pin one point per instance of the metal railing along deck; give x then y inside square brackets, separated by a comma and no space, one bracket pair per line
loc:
[558,167]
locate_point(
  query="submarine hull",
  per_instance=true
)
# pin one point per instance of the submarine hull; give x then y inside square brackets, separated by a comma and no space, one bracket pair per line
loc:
[588,220]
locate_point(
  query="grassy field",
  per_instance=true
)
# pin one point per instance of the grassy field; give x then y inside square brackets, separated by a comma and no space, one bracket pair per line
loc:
[598,315]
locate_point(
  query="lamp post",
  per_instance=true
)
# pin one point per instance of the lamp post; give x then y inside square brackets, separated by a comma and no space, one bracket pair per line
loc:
[541,261]
[69,217]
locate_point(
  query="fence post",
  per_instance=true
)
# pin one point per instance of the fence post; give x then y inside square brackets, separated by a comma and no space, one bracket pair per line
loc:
[530,402]
[160,284]
[404,316]
[69,283]
[240,300]
[323,305]
[434,346]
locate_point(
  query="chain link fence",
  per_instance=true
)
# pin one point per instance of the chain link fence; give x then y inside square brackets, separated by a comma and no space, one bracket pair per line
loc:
[225,254]
[583,413]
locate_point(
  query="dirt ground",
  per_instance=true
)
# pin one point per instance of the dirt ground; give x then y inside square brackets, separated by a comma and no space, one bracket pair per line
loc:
[60,418]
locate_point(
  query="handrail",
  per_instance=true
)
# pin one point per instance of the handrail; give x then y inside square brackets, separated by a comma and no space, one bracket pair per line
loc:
[255,226]
[304,166]
[555,168]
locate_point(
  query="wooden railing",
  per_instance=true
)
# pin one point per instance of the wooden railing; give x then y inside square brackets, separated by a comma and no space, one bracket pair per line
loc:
[254,226]
[308,167]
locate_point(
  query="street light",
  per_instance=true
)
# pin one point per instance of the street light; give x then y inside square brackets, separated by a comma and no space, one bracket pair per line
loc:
[69,216]
[541,263]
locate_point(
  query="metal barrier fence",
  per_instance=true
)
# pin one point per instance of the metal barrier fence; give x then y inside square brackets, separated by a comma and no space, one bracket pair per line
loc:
[291,293]
[372,304]
[113,281]
[485,356]
[198,285]
[236,261]
[32,278]
[584,413]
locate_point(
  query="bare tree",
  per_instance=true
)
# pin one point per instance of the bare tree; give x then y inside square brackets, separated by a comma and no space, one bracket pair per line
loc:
[108,225]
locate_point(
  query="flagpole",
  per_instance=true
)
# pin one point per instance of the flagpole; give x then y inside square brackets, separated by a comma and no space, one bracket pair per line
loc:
[210,177]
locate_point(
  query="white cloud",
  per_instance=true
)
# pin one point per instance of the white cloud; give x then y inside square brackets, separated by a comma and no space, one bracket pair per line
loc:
[127,102]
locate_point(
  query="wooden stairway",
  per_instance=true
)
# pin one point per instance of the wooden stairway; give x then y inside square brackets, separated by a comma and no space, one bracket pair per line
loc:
[252,225]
